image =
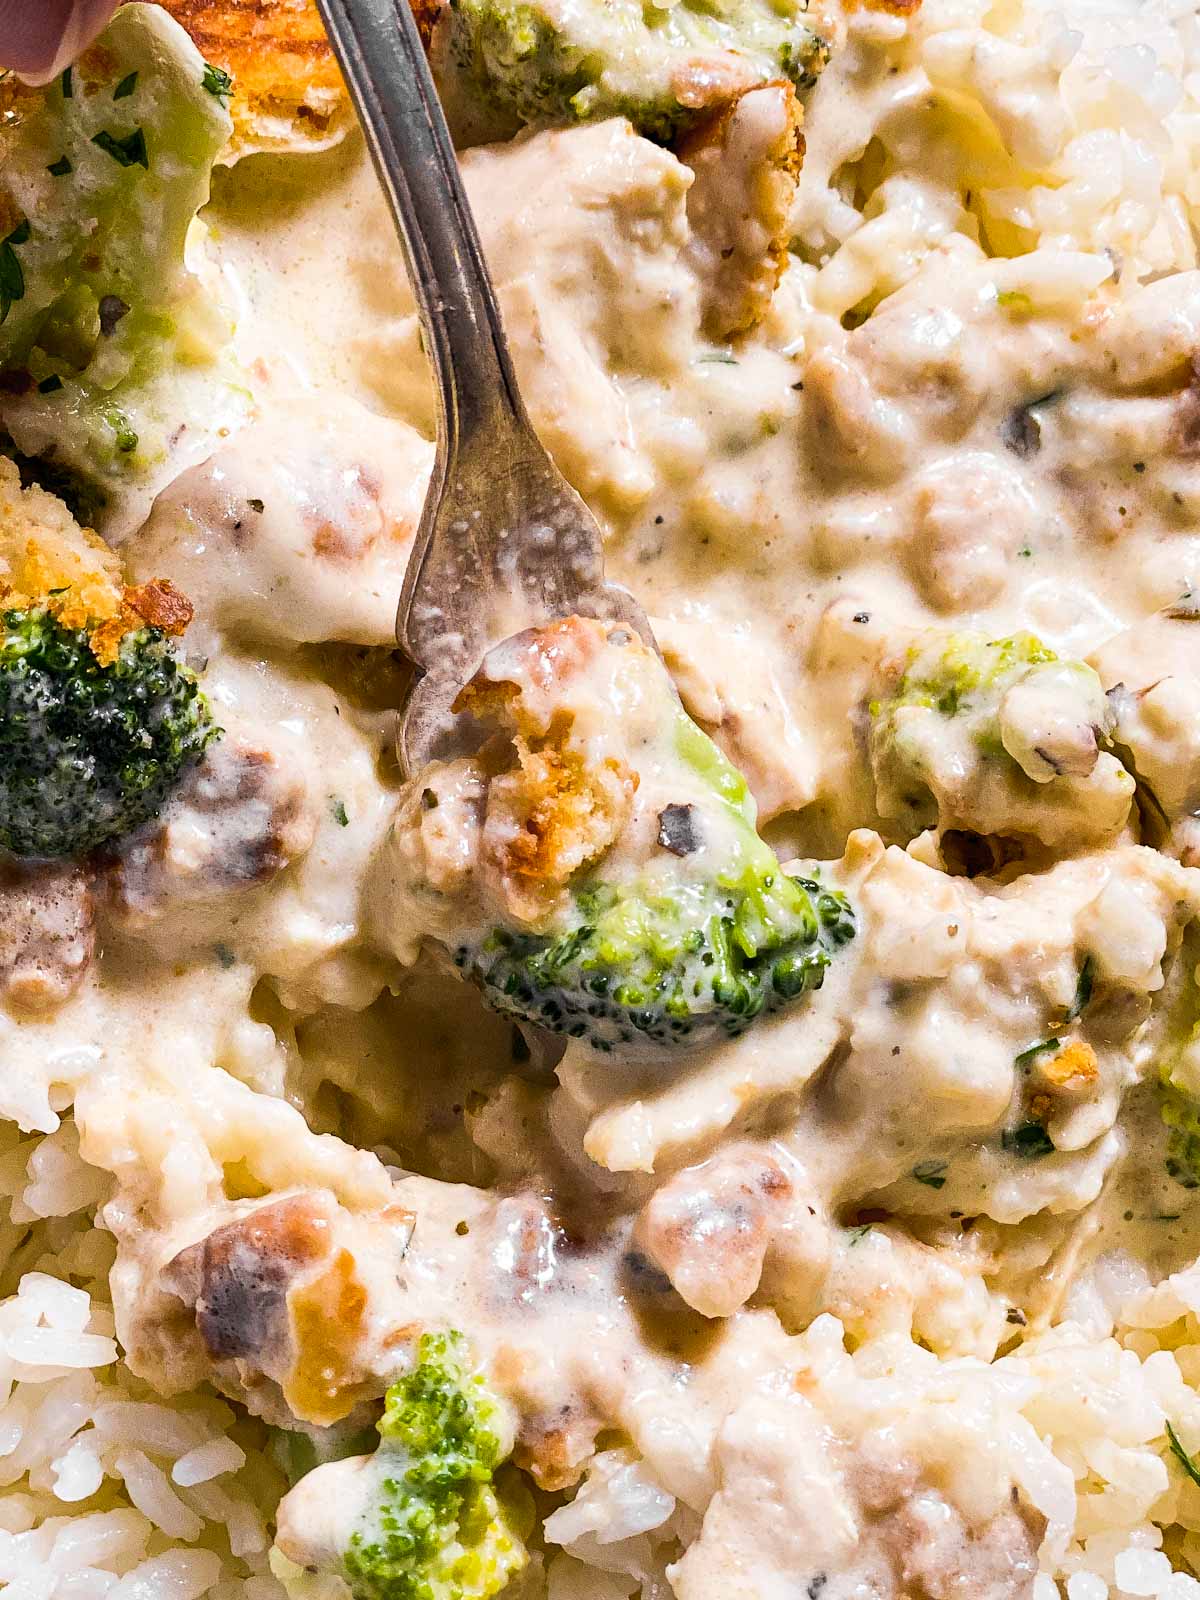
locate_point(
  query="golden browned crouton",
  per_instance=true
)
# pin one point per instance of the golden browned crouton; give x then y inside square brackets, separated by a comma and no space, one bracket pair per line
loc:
[555,814]
[747,163]
[554,811]
[288,94]
[47,559]
[44,550]
[1073,1067]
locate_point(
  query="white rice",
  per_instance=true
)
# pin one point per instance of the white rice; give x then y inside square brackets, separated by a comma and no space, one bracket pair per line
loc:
[104,1490]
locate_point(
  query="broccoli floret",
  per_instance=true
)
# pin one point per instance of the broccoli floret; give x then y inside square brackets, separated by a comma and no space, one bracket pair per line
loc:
[996,737]
[1179,1066]
[112,352]
[669,963]
[1182,1117]
[684,927]
[88,751]
[956,673]
[98,719]
[664,69]
[431,1523]
[597,868]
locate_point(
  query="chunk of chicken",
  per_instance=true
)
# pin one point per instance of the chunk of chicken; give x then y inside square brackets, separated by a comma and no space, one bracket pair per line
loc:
[237,821]
[298,531]
[1152,676]
[803,1510]
[728,685]
[278,1304]
[47,933]
[710,1227]
[747,164]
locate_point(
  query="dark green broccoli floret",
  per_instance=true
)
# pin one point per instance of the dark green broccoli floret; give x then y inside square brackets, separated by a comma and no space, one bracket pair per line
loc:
[434,1528]
[89,750]
[673,957]
[602,58]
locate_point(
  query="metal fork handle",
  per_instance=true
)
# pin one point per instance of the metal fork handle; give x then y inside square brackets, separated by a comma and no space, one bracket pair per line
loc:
[504,542]
[380,51]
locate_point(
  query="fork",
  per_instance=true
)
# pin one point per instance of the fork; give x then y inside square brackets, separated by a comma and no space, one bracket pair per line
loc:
[504,543]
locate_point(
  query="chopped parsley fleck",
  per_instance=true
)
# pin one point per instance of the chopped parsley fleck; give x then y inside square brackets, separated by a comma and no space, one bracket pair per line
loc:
[125,439]
[217,81]
[126,86]
[60,168]
[67,83]
[856,1235]
[225,956]
[1043,1047]
[338,811]
[1083,989]
[50,385]
[721,356]
[12,278]
[931,1173]
[127,152]
[1015,300]
[1185,1461]
[1029,1140]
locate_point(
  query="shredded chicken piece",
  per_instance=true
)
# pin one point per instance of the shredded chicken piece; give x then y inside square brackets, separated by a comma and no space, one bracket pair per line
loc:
[47,933]
[236,822]
[747,163]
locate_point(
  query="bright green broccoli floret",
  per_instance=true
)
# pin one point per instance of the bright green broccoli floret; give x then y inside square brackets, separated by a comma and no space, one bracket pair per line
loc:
[673,956]
[962,671]
[435,1527]
[112,352]
[89,750]
[1179,1067]
[602,58]
[998,738]
[1182,1117]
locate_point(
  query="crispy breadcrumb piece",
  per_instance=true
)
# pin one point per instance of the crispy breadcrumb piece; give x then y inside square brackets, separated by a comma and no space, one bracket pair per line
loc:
[17,100]
[553,812]
[287,93]
[747,163]
[44,550]
[1073,1067]
[47,559]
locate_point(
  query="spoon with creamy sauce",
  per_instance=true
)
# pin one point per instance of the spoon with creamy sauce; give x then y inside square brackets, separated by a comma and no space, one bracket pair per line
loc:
[504,542]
